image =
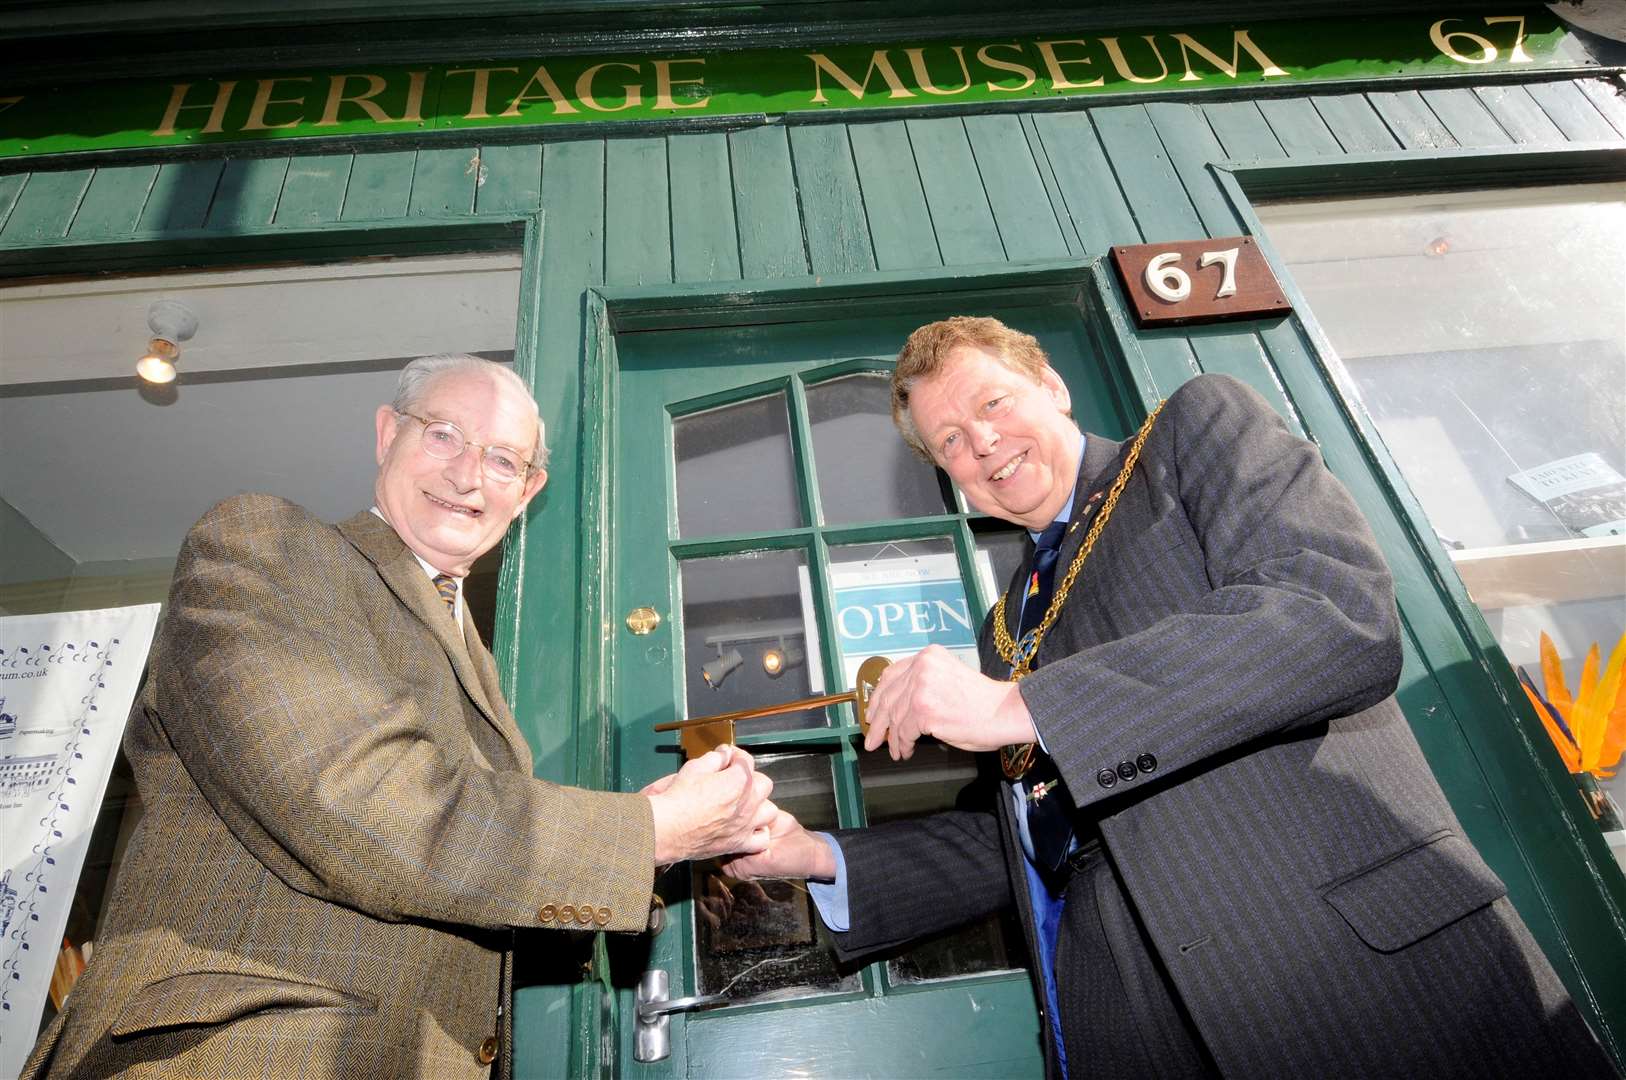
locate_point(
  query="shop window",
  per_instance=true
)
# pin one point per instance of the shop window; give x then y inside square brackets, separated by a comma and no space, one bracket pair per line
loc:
[1483,333]
[102,473]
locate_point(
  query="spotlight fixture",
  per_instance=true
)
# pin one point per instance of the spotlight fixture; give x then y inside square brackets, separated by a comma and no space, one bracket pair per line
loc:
[777,659]
[1437,247]
[715,671]
[171,323]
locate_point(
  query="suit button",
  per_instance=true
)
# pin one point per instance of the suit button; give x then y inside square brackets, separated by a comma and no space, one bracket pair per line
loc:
[488,1050]
[1146,763]
[602,916]
[1126,770]
[567,913]
[584,914]
[1106,778]
[547,913]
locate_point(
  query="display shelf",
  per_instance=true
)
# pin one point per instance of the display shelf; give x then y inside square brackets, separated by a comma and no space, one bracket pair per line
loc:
[1549,572]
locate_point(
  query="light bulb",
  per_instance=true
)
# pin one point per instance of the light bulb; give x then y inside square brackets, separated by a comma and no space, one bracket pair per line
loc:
[158,366]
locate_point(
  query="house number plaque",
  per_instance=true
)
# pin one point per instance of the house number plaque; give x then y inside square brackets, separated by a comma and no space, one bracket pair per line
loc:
[1199,281]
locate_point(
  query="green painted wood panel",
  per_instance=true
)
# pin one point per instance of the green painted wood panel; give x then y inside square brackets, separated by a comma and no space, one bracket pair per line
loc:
[45,209]
[1052,189]
[1355,124]
[1299,127]
[1023,214]
[1411,120]
[380,186]
[1519,115]
[248,194]
[314,190]
[1190,145]
[705,242]
[1608,96]
[10,188]
[1572,112]
[181,195]
[1466,117]
[1089,188]
[834,222]
[1243,131]
[961,215]
[443,182]
[510,179]
[900,225]
[112,205]
[768,219]
[637,213]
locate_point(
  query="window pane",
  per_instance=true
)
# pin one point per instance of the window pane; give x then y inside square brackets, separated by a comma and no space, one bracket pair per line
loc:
[1485,332]
[896,598]
[734,469]
[757,939]
[866,472]
[737,610]
[1000,551]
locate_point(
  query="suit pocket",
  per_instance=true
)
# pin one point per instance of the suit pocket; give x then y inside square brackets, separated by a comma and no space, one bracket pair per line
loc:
[218,997]
[1411,895]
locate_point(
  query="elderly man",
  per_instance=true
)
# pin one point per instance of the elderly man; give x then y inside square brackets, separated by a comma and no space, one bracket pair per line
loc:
[1227,851]
[340,825]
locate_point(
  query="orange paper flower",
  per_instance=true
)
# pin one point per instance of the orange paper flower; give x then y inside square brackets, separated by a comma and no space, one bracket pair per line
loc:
[1589,727]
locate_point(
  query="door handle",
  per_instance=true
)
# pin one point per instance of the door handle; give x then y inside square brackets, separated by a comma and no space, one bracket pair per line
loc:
[653,1038]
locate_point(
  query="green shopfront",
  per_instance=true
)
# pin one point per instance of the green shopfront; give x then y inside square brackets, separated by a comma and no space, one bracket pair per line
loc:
[701,232]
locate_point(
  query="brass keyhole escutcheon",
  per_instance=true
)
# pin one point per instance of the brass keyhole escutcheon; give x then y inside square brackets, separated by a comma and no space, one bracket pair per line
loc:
[642,620]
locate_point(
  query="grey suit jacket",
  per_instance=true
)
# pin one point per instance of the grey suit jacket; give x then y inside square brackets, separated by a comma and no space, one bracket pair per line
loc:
[1217,696]
[339,826]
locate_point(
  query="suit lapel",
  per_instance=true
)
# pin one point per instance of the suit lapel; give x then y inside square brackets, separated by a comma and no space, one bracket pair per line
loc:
[375,538]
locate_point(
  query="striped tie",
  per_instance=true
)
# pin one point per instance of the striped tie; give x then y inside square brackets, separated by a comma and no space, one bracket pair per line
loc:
[446,585]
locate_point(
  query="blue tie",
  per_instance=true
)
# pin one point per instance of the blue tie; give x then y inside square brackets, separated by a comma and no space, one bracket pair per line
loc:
[1050,815]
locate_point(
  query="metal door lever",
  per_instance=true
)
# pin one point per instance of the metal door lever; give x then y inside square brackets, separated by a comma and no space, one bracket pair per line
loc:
[650,1011]
[652,1040]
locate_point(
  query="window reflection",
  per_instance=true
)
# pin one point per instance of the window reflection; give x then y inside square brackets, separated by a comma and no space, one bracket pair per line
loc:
[734,469]
[866,472]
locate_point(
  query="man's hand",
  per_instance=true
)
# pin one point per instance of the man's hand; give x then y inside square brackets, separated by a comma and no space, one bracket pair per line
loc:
[932,693]
[716,804]
[792,852]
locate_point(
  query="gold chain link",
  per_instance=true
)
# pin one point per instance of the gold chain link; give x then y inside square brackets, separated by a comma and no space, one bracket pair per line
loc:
[1017,758]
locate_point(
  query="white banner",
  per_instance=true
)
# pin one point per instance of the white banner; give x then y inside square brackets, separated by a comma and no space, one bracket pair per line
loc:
[67,681]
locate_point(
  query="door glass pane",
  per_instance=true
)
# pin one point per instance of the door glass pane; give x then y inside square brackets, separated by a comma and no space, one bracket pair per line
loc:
[1000,551]
[896,598]
[866,472]
[739,612]
[734,469]
[762,939]
[1485,332]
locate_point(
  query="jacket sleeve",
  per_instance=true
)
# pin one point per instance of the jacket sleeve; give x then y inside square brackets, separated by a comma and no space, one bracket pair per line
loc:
[353,784]
[1291,620]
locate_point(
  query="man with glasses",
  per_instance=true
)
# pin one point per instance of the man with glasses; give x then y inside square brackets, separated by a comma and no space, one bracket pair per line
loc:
[340,828]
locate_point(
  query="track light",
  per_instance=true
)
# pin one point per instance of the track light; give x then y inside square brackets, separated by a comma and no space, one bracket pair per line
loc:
[777,659]
[717,670]
[171,323]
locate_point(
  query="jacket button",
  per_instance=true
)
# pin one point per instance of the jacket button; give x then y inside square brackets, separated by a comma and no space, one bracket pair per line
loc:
[602,916]
[547,913]
[1126,770]
[567,913]
[1146,763]
[584,914]
[1106,778]
[488,1050]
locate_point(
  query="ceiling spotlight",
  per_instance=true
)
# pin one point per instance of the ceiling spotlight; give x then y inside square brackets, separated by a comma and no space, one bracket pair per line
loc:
[777,660]
[1438,246]
[171,323]
[717,670]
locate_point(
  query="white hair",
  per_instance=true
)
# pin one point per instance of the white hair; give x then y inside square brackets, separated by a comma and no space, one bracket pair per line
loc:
[413,386]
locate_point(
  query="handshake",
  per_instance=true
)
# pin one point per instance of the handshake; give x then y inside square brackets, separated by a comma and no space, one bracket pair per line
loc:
[718,805]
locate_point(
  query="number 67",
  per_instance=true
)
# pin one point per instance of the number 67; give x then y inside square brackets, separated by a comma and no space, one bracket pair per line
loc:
[1169,282]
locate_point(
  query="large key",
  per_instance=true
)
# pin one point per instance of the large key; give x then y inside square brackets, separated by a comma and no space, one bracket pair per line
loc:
[706,733]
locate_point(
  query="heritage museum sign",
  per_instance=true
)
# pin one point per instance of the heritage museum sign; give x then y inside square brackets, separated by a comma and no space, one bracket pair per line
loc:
[550,90]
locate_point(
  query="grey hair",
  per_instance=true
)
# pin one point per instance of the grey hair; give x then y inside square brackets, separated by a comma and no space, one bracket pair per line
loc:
[413,386]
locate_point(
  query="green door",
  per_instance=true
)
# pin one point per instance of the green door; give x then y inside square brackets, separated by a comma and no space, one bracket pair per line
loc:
[763,506]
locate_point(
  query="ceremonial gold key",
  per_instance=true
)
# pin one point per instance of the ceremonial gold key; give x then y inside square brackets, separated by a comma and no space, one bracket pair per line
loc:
[706,733]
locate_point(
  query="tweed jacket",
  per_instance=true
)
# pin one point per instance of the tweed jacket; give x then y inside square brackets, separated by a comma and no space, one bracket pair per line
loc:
[339,827]
[1217,696]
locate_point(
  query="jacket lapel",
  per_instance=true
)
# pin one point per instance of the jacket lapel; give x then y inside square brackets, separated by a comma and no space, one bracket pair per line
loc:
[377,540]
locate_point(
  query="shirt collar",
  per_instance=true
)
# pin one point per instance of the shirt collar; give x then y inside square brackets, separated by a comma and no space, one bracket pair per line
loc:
[429,569]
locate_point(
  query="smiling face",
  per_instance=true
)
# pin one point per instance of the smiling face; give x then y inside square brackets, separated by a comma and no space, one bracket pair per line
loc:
[448,512]
[1003,438]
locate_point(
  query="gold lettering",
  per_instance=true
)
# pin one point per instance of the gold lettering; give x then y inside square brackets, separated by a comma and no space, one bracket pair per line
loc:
[1121,63]
[584,88]
[413,113]
[664,83]
[878,61]
[336,98]
[217,109]
[923,79]
[1053,63]
[263,101]
[1240,42]
[550,92]
[481,89]
[1029,76]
